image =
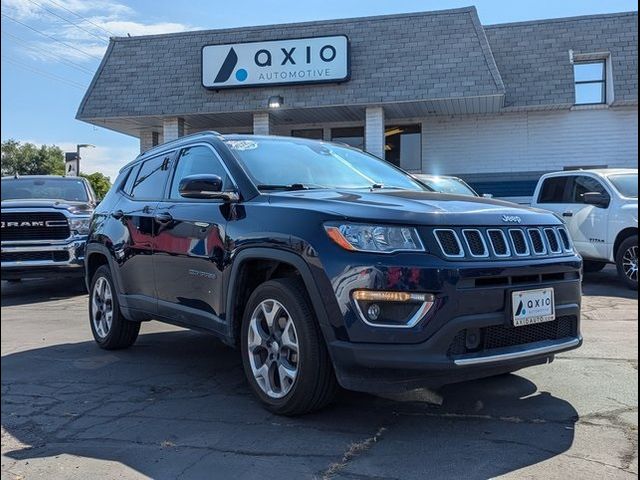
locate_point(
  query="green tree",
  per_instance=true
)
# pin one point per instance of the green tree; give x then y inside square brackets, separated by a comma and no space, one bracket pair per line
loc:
[29,159]
[99,182]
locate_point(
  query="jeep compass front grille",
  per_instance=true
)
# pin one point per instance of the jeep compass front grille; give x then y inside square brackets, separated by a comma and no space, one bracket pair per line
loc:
[520,245]
[449,243]
[501,243]
[536,240]
[475,242]
[498,241]
[564,237]
[552,240]
[34,226]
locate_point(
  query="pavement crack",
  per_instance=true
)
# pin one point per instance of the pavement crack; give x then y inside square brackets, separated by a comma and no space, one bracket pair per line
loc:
[192,464]
[355,449]
[599,462]
[478,416]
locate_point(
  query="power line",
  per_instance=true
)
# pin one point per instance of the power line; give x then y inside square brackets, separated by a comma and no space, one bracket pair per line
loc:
[48,53]
[44,74]
[102,39]
[49,36]
[83,18]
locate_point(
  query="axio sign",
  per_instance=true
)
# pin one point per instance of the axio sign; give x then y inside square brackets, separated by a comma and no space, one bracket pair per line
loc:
[301,60]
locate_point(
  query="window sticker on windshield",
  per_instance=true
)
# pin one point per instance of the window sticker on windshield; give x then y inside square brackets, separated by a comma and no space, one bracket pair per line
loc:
[241,145]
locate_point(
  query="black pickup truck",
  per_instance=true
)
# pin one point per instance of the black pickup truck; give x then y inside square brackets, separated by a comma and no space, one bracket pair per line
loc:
[45,221]
[327,266]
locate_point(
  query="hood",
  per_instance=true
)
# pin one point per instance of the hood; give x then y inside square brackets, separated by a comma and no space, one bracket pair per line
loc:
[76,208]
[412,207]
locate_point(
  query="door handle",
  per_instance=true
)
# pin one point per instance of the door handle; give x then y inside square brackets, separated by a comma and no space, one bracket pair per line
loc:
[118,214]
[163,217]
[567,214]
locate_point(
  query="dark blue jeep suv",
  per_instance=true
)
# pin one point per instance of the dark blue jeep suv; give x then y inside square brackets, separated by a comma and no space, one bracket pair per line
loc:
[327,266]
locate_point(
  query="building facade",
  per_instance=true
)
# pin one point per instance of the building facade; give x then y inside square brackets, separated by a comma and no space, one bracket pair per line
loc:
[433,92]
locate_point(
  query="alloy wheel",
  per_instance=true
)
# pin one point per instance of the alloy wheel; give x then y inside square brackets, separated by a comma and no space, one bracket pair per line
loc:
[273,348]
[630,263]
[102,307]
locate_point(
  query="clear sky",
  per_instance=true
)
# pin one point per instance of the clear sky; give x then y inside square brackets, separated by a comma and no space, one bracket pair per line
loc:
[51,48]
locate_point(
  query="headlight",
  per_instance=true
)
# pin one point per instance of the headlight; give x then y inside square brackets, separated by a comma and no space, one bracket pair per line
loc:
[375,238]
[80,225]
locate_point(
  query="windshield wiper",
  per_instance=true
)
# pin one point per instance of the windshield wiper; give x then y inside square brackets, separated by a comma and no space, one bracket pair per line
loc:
[290,187]
[380,186]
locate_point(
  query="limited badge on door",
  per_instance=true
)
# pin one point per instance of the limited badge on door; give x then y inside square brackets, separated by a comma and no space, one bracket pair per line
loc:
[533,306]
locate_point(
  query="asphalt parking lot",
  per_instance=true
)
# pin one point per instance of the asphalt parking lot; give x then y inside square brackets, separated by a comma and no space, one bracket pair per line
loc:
[176,406]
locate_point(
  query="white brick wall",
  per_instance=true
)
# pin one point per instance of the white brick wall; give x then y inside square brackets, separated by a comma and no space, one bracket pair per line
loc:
[146,141]
[262,124]
[374,131]
[173,128]
[530,141]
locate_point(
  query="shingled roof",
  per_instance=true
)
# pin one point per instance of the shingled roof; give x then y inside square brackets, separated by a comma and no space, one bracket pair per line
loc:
[413,64]
[395,58]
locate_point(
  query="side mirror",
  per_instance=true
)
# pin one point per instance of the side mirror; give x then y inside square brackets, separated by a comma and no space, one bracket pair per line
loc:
[598,199]
[487,195]
[207,187]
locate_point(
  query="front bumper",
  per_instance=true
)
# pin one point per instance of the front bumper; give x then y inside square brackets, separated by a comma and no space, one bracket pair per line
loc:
[37,260]
[392,368]
[470,298]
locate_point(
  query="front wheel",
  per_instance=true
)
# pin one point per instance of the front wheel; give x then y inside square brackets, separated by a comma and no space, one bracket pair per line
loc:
[110,329]
[627,262]
[284,355]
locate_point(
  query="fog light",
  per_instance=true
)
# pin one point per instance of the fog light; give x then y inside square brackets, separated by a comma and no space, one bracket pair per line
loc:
[472,339]
[373,312]
[376,295]
[392,309]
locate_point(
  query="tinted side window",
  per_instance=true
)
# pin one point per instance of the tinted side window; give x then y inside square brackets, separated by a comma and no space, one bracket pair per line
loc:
[150,181]
[128,185]
[197,161]
[552,190]
[581,185]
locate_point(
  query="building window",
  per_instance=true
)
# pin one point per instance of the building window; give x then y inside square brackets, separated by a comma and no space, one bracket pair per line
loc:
[403,145]
[353,136]
[312,133]
[590,82]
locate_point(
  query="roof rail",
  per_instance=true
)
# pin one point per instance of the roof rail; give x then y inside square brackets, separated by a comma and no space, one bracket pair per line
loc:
[178,140]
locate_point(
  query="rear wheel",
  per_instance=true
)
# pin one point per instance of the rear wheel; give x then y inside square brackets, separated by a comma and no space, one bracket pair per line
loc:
[110,329]
[284,355]
[627,262]
[591,266]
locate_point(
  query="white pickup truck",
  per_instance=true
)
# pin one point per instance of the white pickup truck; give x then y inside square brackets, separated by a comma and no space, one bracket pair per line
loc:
[600,208]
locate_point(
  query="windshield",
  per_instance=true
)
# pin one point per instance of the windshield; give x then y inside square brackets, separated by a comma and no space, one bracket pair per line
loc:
[291,162]
[447,185]
[626,184]
[44,188]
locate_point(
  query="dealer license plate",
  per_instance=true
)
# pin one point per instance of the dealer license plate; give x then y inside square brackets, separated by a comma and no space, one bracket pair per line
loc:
[533,306]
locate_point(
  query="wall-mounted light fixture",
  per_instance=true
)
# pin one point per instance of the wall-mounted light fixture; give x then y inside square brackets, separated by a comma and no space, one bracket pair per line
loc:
[275,101]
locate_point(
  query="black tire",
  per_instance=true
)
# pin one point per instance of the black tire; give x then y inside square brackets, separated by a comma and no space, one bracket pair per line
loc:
[315,385]
[627,247]
[122,332]
[591,266]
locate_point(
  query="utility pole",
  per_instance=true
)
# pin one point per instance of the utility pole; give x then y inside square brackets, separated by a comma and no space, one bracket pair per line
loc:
[72,160]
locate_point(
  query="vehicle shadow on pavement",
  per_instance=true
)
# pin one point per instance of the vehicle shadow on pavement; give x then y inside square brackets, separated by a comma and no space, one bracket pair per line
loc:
[176,404]
[606,284]
[40,290]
